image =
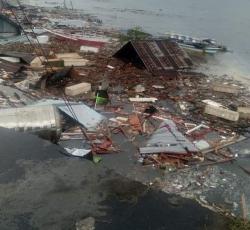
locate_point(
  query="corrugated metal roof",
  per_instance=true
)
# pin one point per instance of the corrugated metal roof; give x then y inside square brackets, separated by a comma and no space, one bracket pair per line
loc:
[167,139]
[158,56]
[86,116]
[30,118]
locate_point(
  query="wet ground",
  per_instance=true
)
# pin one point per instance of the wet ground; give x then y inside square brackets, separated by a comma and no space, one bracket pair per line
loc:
[41,188]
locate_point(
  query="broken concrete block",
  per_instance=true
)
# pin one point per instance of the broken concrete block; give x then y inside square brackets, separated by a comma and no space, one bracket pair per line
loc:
[75,62]
[158,86]
[37,62]
[244,112]
[213,103]
[78,89]
[122,119]
[87,49]
[226,89]
[143,99]
[54,63]
[222,113]
[72,59]
[68,55]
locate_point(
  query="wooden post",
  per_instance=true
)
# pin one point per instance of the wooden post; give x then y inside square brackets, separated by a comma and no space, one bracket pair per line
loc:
[244,207]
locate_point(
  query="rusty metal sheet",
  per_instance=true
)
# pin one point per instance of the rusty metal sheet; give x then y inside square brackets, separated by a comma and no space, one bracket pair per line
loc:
[159,57]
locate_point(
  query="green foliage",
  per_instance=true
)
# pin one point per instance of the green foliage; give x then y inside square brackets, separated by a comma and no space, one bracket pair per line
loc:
[239,224]
[135,33]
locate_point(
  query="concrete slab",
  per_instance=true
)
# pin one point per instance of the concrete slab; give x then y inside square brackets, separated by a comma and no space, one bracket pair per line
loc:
[222,113]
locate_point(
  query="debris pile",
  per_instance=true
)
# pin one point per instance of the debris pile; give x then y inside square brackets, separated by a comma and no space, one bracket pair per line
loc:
[94,94]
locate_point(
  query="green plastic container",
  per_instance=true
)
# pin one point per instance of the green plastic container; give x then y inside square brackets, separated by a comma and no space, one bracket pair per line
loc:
[102,97]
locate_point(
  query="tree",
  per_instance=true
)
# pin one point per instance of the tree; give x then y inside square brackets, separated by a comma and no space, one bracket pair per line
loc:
[135,33]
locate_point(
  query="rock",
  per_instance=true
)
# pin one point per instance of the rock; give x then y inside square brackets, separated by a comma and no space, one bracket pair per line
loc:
[86,224]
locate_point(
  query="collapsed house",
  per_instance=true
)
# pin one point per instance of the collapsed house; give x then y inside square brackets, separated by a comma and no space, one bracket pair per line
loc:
[160,57]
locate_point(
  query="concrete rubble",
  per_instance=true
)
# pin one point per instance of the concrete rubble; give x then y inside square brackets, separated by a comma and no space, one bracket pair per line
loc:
[77,89]
[171,117]
[222,113]
[226,89]
[244,112]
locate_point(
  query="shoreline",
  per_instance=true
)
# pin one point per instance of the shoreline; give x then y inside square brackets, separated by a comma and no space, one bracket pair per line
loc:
[98,65]
[206,68]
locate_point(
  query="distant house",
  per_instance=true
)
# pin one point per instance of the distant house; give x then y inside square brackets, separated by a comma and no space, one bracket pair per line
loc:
[158,56]
[8,28]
